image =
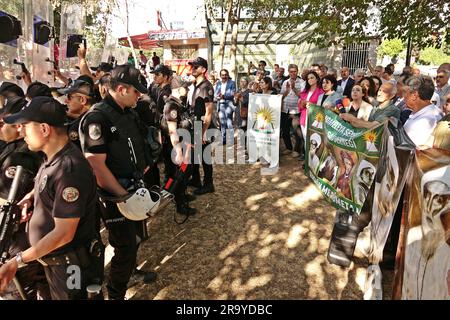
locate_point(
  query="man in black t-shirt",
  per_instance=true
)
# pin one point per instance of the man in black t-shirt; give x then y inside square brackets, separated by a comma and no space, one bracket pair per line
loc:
[14,153]
[61,230]
[202,108]
[113,141]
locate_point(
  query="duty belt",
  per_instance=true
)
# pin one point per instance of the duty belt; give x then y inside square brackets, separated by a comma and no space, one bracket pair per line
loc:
[78,256]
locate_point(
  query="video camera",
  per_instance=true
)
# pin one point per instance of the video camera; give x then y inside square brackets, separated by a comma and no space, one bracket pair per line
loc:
[11,28]
[73,43]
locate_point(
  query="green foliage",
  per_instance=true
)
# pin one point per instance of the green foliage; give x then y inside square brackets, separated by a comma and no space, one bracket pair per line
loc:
[391,48]
[347,21]
[96,18]
[434,56]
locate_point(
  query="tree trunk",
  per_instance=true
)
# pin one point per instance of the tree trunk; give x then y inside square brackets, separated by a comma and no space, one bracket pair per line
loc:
[223,38]
[136,62]
[234,36]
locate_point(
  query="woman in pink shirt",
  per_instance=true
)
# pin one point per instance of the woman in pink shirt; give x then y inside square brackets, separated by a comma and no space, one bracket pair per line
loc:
[309,96]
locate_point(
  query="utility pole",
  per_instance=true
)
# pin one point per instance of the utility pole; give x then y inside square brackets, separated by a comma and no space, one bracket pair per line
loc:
[408,52]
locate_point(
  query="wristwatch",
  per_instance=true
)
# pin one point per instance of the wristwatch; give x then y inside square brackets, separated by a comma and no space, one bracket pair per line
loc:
[19,260]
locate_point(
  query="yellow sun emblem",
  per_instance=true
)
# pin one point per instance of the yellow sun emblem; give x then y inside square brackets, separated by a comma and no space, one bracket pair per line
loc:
[320,117]
[263,120]
[370,136]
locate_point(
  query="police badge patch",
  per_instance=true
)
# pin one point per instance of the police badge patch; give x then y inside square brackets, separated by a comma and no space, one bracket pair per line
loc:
[211,92]
[43,183]
[73,135]
[95,132]
[10,172]
[173,114]
[70,194]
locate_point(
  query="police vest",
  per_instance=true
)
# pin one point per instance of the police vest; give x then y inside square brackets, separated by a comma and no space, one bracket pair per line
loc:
[125,128]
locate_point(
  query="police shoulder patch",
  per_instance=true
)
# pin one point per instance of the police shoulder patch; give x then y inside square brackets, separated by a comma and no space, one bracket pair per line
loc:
[211,92]
[70,194]
[173,114]
[95,132]
[10,172]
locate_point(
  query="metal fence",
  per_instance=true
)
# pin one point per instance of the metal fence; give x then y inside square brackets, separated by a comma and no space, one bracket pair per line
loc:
[355,55]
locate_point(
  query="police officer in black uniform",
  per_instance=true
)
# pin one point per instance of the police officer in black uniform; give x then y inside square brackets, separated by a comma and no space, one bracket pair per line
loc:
[61,230]
[202,108]
[162,79]
[9,90]
[175,150]
[112,138]
[15,152]
[79,98]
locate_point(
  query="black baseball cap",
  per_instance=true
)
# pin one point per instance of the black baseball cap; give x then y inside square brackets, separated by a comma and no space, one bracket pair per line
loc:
[128,74]
[38,89]
[42,110]
[199,61]
[77,86]
[163,69]
[13,105]
[11,87]
[104,66]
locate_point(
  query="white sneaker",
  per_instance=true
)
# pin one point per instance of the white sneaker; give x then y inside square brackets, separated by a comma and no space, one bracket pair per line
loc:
[295,154]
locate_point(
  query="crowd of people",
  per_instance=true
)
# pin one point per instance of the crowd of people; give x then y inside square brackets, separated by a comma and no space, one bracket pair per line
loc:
[93,150]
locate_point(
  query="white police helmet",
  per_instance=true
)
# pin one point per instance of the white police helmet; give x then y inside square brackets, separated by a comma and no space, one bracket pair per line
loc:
[140,205]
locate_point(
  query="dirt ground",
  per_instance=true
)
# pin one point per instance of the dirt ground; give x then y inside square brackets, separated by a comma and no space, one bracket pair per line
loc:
[256,237]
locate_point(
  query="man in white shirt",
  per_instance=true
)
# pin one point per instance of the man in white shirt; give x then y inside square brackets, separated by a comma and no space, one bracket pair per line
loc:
[291,89]
[420,125]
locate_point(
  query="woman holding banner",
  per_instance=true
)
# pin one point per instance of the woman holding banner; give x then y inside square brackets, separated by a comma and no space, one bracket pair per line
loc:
[358,107]
[309,96]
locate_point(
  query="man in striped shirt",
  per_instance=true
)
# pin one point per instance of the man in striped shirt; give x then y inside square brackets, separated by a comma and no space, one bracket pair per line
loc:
[291,90]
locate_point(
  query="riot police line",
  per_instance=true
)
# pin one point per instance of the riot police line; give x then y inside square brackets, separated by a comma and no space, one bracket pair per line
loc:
[94,160]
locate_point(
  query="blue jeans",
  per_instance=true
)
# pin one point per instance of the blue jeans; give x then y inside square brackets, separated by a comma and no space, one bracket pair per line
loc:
[226,109]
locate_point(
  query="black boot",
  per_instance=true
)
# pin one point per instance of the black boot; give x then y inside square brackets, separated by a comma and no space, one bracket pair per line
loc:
[207,188]
[194,183]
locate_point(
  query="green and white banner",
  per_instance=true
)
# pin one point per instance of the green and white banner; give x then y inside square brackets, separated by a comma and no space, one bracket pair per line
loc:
[341,160]
[263,130]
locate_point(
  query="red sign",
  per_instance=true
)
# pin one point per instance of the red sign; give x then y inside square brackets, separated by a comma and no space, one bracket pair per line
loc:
[180,66]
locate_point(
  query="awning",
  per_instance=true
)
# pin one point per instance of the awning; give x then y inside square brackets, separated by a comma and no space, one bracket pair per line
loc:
[141,41]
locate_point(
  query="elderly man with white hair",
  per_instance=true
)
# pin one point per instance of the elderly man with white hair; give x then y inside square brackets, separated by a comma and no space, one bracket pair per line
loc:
[385,109]
[420,125]
[358,75]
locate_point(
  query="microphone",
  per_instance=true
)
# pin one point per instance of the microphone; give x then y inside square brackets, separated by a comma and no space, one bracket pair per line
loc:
[339,106]
[346,102]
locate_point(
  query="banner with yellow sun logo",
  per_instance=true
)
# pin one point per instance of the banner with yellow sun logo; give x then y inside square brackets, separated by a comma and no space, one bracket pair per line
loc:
[263,130]
[341,160]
